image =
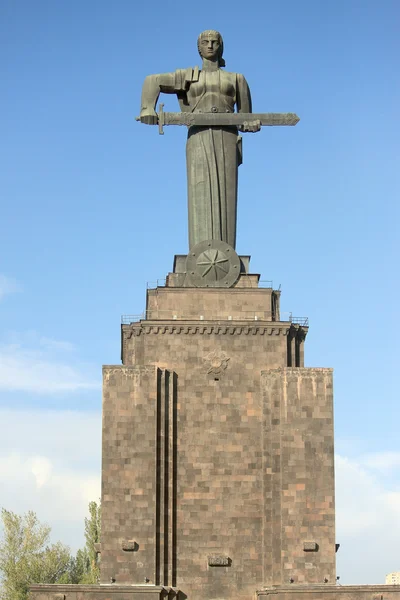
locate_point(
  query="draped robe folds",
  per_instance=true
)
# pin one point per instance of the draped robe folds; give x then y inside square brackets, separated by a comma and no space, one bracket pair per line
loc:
[213,154]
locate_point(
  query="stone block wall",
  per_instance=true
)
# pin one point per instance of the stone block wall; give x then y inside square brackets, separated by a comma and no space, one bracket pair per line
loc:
[208,441]
[101,592]
[186,346]
[217,478]
[299,507]
[150,592]
[185,303]
[331,592]
[128,474]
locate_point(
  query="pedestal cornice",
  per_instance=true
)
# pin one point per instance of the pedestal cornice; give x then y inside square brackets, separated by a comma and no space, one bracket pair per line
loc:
[212,327]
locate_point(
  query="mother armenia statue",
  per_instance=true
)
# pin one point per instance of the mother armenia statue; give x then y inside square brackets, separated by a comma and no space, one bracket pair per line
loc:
[213,154]
[208,98]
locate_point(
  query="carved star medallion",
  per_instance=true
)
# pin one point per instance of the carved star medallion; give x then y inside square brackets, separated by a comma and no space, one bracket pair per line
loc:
[216,361]
[213,263]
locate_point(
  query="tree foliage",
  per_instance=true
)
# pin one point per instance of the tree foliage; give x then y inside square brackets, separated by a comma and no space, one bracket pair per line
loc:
[27,557]
[87,563]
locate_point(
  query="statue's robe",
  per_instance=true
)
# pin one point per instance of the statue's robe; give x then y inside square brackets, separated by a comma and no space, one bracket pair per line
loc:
[213,154]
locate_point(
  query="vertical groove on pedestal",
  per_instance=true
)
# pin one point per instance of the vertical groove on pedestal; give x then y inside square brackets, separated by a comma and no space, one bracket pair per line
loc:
[174,474]
[293,349]
[301,351]
[158,477]
[297,351]
[166,478]
[289,349]
[167,404]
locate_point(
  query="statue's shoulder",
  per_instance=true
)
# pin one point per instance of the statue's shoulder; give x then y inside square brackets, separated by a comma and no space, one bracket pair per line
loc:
[184,77]
[238,77]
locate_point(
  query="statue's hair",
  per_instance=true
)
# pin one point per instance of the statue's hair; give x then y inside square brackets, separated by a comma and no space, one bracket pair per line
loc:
[221,62]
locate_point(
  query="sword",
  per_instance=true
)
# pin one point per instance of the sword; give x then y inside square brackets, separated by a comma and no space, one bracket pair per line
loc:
[216,119]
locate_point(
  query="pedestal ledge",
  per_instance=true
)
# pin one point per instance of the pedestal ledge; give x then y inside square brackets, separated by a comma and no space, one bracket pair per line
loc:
[110,591]
[330,592]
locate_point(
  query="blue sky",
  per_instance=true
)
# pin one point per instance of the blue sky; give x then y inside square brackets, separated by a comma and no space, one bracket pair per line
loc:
[94,207]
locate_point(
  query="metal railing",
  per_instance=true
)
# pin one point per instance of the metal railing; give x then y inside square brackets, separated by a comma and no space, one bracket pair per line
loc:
[176,315]
[171,315]
[303,321]
[128,319]
[265,283]
[151,285]
[261,283]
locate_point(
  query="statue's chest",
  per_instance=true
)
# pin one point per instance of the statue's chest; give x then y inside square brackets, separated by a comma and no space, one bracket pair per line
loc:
[214,83]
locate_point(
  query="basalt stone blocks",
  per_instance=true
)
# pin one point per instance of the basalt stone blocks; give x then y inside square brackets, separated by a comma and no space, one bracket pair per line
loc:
[128,474]
[330,592]
[299,476]
[102,592]
[217,475]
[202,424]
[202,469]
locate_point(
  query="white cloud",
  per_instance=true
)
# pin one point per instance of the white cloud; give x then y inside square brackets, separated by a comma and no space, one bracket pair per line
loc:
[383,462]
[367,520]
[68,437]
[42,469]
[8,286]
[59,496]
[36,364]
[50,463]
[49,491]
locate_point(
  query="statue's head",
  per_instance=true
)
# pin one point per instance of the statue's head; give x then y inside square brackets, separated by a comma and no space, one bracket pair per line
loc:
[210,45]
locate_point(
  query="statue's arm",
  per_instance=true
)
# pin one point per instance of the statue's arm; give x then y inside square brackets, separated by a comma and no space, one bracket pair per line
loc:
[152,86]
[243,103]
[243,96]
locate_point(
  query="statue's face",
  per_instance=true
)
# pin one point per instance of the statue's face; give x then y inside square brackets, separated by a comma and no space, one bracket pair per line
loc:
[209,46]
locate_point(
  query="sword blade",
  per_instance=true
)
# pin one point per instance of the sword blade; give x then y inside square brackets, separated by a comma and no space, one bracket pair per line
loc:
[229,119]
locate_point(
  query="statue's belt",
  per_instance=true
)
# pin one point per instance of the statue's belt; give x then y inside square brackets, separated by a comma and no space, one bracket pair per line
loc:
[215,109]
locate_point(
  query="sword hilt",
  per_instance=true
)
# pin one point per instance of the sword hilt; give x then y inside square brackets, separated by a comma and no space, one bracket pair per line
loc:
[160,118]
[161,121]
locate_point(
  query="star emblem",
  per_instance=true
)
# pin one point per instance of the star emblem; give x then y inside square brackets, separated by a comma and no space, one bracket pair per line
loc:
[213,263]
[216,361]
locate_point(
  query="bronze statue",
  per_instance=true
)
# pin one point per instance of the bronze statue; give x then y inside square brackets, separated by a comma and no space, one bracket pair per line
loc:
[213,150]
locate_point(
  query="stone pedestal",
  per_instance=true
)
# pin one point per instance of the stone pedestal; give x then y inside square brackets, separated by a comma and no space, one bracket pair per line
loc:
[330,592]
[102,592]
[217,452]
[217,473]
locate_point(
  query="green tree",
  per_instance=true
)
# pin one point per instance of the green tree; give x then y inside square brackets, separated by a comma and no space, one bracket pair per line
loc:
[27,557]
[86,563]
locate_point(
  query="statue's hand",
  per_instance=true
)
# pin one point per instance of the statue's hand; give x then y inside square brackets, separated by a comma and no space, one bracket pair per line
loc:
[251,126]
[148,116]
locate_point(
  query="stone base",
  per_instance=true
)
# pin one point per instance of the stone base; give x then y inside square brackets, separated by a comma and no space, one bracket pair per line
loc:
[237,304]
[180,263]
[102,592]
[181,278]
[151,592]
[330,592]
[214,513]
